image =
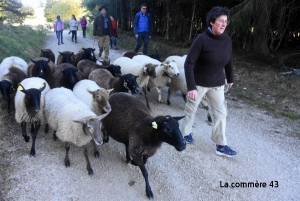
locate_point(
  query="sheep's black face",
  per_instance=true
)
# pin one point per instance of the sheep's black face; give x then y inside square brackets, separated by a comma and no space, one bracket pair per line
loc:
[70,74]
[131,84]
[171,132]
[5,87]
[67,57]
[90,53]
[116,70]
[32,101]
[45,54]
[41,68]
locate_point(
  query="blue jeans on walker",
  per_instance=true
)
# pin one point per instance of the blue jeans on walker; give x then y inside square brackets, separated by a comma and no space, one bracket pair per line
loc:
[59,36]
[142,37]
[113,40]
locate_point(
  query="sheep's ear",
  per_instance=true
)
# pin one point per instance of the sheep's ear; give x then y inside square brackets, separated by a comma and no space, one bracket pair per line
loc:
[83,48]
[110,90]
[93,49]
[72,53]
[80,121]
[91,92]
[48,61]
[145,69]
[33,61]
[21,88]
[155,65]
[166,62]
[75,70]
[102,116]
[178,118]
[42,87]
[60,52]
[42,51]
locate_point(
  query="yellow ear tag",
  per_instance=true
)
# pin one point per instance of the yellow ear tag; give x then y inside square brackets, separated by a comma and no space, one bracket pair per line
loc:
[154,125]
[42,85]
[20,88]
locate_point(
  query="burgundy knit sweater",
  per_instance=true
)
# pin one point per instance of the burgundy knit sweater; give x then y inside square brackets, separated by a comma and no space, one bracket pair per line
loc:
[208,56]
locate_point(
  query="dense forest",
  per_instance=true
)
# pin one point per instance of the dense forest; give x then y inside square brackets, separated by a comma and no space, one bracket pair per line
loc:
[262,26]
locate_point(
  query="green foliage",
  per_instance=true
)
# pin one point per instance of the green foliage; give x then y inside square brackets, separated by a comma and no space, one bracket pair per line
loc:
[20,41]
[25,12]
[9,6]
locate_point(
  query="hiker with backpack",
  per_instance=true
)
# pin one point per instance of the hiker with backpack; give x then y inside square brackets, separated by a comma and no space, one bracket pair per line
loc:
[142,29]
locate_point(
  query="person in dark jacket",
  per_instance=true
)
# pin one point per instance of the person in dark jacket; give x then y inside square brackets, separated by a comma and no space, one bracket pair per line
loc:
[142,29]
[208,58]
[103,29]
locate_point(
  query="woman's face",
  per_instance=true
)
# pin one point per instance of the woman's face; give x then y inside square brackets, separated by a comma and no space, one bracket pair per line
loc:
[220,24]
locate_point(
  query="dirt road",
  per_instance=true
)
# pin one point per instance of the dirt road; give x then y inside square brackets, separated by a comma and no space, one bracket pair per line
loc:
[268,152]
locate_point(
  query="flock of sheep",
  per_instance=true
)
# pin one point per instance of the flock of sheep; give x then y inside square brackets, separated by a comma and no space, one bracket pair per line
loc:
[84,100]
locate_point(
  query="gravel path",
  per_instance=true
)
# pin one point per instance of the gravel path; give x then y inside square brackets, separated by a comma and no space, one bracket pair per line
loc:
[268,150]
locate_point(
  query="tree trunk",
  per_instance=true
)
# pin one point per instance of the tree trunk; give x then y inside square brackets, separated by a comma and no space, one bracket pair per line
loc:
[193,15]
[124,23]
[167,21]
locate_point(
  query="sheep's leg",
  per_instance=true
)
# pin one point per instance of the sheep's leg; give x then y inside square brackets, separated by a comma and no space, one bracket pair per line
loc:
[32,128]
[160,100]
[8,106]
[88,166]
[140,163]
[96,152]
[67,160]
[184,97]
[37,125]
[145,158]
[169,94]
[54,136]
[146,97]
[46,129]
[105,135]
[24,133]
[128,155]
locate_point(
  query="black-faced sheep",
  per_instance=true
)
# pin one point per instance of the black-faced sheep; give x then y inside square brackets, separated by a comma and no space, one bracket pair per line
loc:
[12,71]
[65,75]
[78,126]
[155,56]
[66,57]
[86,67]
[47,53]
[130,123]
[130,54]
[85,53]
[41,67]
[29,104]
[120,84]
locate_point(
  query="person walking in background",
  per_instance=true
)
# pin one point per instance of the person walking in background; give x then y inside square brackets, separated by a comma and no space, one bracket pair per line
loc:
[103,29]
[142,29]
[59,27]
[113,39]
[83,24]
[209,55]
[73,27]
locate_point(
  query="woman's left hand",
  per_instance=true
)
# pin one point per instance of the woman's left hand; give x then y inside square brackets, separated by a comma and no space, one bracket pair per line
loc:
[229,85]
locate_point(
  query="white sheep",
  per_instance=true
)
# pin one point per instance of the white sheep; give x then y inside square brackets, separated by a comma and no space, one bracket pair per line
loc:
[13,70]
[164,72]
[73,121]
[144,72]
[178,59]
[29,104]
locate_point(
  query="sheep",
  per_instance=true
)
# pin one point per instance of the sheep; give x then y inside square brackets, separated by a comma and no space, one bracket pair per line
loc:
[41,67]
[29,104]
[12,71]
[130,123]
[155,56]
[86,67]
[65,75]
[178,59]
[179,83]
[66,57]
[47,53]
[120,84]
[73,121]
[130,54]
[142,71]
[85,53]
[164,71]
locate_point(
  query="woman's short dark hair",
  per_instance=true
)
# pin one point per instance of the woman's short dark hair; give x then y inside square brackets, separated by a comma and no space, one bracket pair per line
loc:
[216,12]
[143,5]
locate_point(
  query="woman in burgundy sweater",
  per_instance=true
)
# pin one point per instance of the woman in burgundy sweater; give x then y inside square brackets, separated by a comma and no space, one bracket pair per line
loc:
[113,39]
[209,57]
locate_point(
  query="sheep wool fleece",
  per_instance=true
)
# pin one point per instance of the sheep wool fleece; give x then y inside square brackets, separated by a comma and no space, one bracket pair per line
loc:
[62,106]
[12,62]
[21,113]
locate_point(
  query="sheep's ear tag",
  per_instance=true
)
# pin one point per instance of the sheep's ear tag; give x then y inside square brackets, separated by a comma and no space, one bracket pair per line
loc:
[145,69]
[42,85]
[154,125]
[20,88]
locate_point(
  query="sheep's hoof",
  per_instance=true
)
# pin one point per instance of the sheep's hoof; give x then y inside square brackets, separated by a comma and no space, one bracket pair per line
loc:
[168,102]
[97,155]
[26,138]
[32,153]
[133,163]
[106,139]
[67,163]
[91,172]
[55,137]
[150,194]
[160,101]
[209,119]
[46,128]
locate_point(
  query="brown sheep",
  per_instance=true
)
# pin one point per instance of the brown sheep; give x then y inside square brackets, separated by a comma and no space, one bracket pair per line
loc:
[65,75]
[86,67]
[120,84]
[131,123]
[66,57]
[47,53]
[41,67]
[85,53]
[130,54]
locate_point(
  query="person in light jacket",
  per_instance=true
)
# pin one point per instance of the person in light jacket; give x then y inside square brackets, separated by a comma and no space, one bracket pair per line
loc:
[59,27]
[74,27]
